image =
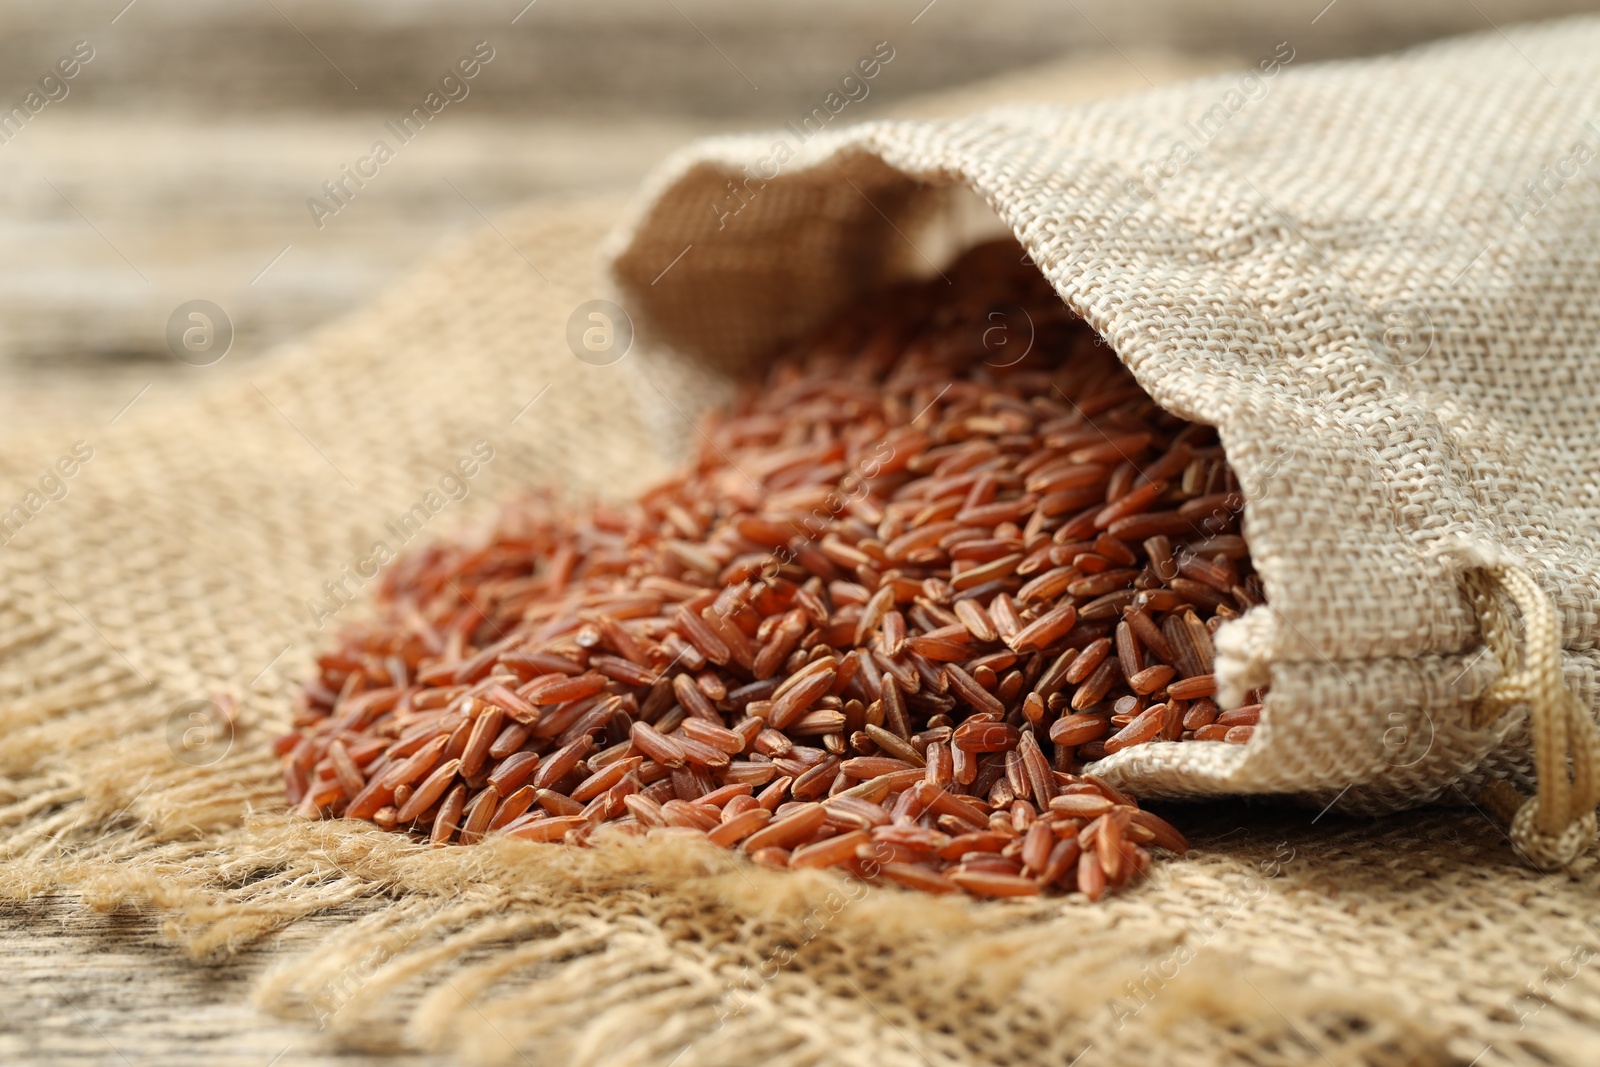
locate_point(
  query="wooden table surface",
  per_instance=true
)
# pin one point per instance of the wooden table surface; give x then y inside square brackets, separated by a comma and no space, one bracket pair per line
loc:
[82,987]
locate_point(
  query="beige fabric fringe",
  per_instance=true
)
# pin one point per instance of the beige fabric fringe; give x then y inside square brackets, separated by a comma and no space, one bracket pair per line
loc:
[179,565]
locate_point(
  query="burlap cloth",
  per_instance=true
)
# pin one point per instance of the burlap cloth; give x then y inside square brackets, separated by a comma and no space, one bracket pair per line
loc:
[180,562]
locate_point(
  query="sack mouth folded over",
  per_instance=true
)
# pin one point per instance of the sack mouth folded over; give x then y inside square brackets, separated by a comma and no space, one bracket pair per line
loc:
[729,251]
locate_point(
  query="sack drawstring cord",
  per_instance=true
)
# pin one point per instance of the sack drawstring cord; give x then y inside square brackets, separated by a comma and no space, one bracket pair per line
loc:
[1557,824]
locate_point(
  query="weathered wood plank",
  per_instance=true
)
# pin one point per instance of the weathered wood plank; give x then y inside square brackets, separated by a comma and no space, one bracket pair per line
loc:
[85,987]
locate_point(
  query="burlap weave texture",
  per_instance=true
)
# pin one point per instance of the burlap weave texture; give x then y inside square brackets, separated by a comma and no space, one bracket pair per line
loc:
[180,563]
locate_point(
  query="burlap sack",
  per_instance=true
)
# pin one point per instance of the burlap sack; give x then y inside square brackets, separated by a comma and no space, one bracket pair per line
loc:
[1378,281]
[184,557]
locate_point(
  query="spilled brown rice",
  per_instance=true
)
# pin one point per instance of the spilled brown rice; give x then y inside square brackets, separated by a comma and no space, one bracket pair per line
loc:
[947,556]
